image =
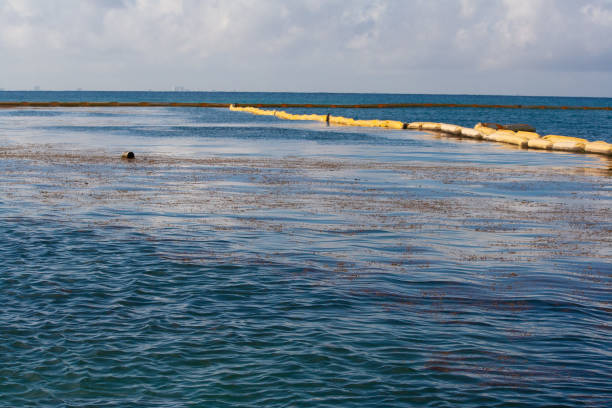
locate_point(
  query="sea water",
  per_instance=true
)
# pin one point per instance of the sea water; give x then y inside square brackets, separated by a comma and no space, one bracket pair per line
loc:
[248,261]
[588,124]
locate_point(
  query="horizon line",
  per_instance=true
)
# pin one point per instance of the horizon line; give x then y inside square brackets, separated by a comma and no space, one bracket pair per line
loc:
[304,92]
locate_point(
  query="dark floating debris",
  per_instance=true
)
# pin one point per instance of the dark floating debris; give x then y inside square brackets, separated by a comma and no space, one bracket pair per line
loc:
[128,155]
[520,127]
[515,127]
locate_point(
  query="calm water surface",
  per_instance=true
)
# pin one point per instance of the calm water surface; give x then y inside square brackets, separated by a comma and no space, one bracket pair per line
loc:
[246,261]
[591,125]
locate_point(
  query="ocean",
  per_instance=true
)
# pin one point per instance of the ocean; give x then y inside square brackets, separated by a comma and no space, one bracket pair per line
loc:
[242,260]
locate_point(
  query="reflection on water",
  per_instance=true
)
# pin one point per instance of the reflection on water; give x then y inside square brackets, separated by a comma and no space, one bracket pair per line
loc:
[256,264]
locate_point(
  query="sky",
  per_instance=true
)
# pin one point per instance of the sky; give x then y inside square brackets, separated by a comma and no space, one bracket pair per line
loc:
[510,47]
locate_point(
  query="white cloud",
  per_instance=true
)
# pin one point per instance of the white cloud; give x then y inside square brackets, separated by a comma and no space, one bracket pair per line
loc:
[335,45]
[598,14]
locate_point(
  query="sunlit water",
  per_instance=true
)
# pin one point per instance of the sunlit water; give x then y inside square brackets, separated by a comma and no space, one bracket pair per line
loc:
[247,261]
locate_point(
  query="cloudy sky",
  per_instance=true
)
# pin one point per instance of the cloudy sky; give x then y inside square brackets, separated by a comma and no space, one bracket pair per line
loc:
[527,47]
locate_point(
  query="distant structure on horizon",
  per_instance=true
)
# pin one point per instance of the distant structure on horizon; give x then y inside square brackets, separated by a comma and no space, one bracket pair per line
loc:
[180,89]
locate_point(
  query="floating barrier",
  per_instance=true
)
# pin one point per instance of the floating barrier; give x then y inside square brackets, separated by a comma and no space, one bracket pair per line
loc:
[527,135]
[283,115]
[497,135]
[450,129]
[430,126]
[430,105]
[557,138]
[508,136]
[339,120]
[485,130]
[414,125]
[471,133]
[517,134]
[569,146]
[395,124]
[540,144]
[598,147]
[521,135]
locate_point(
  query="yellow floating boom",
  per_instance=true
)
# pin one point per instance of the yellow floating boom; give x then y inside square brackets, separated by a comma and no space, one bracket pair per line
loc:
[521,139]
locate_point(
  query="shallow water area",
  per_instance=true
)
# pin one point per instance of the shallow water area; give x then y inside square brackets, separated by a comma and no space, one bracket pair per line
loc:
[241,260]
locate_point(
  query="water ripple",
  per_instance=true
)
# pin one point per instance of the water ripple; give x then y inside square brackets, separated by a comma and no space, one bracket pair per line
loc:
[306,280]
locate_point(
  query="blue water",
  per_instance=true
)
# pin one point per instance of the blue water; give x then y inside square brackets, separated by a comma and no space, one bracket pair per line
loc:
[592,125]
[247,261]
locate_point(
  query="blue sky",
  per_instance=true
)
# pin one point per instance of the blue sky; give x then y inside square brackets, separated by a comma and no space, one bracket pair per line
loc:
[527,47]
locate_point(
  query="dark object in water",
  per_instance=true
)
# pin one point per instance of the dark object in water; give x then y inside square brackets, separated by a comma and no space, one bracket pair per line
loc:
[493,125]
[519,127]
[516,127]
[128,155]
